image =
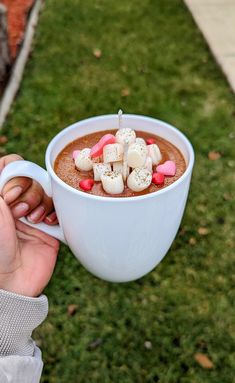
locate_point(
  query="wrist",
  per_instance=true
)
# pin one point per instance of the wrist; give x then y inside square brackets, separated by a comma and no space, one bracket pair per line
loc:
[11,283]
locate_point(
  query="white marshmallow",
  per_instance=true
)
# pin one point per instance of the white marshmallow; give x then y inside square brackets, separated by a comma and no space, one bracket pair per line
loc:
[113,153]
[99,169]
[154,153]
[83,160]
[136,155]
[112,182]
[125,136]
[122,168]
[140,140]
[117,166]
[149,164]
[139,179]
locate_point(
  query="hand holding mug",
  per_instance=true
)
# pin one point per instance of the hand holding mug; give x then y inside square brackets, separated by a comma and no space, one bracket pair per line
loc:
[27,255]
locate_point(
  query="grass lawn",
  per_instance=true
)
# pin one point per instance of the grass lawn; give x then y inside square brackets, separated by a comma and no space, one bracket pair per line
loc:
[155,62]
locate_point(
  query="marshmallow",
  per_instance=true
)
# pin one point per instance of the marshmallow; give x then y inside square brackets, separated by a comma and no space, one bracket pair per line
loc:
[140,140]
[83,160]
[139,179]
[99,169]
[97,149]
[122,168]
[125,136]
[149,164]
[112,182]
[113,153]
[136,155]
[154,153]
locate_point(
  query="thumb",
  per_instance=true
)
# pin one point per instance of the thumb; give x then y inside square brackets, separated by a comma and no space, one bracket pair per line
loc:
[6,218]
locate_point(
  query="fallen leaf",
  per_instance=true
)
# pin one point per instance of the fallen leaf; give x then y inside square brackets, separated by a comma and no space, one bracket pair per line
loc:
[203,360]
[72,309]
[95,343]
[213,156]
[227,197]
[192,241]
[3,140]
[203,231]
[148,345]
[125,92]
[182,231]
[97,53]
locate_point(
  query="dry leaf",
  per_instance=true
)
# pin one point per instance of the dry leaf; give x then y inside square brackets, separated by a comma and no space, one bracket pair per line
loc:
[3,140]
[72,309]
[192,241]
[95,343]
[227,197]
[203,360]
[203,231]
[97,53]
[182,231]
[214,156]
[125,92]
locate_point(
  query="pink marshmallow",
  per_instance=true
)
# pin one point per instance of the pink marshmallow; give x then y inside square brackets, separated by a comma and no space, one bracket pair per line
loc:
[75,154]
[97,149]
[107,139]
[168,168]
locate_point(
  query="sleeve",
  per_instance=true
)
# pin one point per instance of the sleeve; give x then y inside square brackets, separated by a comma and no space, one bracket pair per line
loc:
[20,359]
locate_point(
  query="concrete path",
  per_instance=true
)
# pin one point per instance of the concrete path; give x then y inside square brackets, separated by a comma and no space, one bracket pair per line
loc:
[216,20]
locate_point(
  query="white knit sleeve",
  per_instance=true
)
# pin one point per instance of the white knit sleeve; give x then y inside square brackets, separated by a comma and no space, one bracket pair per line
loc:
[20,359]
[19,316]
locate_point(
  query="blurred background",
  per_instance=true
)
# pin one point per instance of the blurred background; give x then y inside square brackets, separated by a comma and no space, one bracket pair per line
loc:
[146,57]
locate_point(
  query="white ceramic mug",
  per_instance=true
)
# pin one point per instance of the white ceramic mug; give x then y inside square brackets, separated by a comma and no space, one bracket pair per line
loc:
[116,239]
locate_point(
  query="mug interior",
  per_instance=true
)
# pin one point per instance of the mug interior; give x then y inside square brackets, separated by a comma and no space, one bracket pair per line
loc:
[107,122]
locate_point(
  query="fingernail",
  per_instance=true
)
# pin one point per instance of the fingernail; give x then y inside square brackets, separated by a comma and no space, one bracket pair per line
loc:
[20,209]
[51,217]
[36,214]
[12,194]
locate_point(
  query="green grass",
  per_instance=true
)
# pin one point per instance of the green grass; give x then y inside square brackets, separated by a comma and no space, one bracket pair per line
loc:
[186,305]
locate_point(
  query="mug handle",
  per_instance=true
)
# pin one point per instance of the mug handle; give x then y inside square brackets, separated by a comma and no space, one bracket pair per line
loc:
[28,169]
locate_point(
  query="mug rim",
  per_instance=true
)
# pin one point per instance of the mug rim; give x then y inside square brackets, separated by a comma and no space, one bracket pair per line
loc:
[119,199]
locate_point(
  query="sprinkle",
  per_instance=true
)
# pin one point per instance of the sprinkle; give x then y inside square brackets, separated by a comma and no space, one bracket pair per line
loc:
[158,178]
[150,141]
[87,184]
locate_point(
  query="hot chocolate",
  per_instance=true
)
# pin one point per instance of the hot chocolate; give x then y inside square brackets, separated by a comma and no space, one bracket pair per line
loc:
[121,163]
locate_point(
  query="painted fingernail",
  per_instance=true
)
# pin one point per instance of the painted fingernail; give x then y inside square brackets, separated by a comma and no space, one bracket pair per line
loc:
[51,217]
[20,209]
[12,194]
[36,214]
